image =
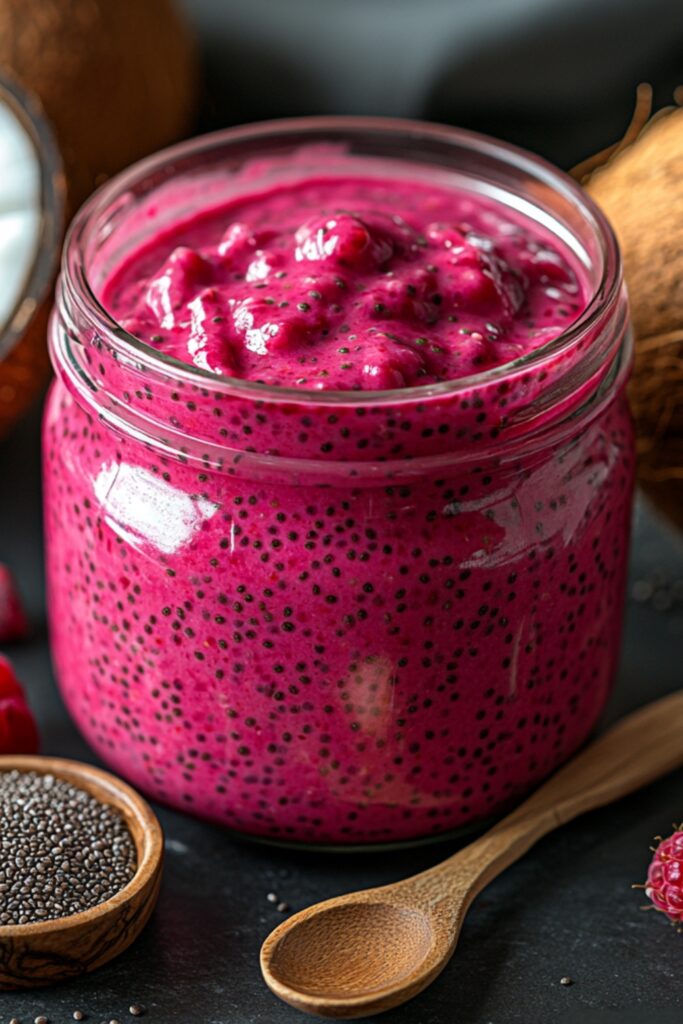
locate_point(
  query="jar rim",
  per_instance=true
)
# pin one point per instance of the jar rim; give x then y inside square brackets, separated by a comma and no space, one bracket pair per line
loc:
[82,295]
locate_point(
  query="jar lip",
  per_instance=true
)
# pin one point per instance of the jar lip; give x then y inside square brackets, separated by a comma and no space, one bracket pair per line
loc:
[603,297]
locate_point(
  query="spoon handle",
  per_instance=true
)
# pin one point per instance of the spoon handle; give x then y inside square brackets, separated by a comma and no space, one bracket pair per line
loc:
[637,750]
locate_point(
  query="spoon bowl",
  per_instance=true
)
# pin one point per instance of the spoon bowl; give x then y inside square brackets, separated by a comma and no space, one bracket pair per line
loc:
[364,947]
[370,951]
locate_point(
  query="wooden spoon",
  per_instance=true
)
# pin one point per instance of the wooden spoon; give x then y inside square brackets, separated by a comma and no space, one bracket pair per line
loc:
[45,952]
[369,951]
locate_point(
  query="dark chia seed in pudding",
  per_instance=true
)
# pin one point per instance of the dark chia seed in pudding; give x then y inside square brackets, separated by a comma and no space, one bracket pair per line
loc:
[334,613]
[62,851]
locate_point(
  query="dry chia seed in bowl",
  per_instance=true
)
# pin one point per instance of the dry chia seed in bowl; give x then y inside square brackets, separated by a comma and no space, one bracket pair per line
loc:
[62,851]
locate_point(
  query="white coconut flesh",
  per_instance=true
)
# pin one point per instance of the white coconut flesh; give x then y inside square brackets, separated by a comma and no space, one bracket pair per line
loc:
[20,210]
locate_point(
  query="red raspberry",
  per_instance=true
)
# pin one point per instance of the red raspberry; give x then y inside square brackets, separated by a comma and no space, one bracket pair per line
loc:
[18,732]
[13,624]
[664,886]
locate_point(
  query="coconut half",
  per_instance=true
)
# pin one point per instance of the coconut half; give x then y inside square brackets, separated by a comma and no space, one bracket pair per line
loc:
[116,78]
[31,220]
[639,184]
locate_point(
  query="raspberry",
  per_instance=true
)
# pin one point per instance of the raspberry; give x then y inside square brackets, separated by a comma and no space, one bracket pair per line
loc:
[18,732]
[664,886]
[13,624]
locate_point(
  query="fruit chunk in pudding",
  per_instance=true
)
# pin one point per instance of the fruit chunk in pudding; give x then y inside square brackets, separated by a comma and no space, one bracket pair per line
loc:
[349,284]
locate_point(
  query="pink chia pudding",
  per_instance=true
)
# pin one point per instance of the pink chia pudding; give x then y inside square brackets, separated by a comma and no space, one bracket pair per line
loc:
[338,473]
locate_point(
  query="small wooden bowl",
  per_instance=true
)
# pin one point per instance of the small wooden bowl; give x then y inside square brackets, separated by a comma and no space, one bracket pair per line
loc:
[45,952]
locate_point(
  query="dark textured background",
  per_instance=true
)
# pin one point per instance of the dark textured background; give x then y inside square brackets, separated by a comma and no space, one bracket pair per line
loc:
[558,77]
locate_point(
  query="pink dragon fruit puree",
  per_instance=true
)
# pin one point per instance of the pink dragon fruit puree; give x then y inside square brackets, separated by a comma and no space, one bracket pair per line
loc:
[357,576]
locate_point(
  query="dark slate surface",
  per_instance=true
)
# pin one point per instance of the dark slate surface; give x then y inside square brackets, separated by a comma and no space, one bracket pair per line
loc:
[566,909]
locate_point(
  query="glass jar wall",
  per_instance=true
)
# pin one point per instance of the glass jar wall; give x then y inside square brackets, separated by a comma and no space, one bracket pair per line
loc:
[335,618]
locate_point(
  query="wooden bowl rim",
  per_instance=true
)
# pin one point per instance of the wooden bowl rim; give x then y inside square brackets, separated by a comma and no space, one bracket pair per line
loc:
[109,789]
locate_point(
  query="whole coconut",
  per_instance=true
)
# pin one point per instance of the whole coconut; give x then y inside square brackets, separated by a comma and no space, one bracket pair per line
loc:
[117,78]
[639,185]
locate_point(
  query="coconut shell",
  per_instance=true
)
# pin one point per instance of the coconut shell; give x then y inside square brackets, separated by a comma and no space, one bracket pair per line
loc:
[117,78]
[639,185]
[24,371]
[24,361]
[641,191]
[656,395]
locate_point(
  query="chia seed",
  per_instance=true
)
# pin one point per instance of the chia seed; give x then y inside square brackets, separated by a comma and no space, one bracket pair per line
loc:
[660,590]
[62,851]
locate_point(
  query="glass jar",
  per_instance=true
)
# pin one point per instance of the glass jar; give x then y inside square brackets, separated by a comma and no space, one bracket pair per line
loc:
[335,618]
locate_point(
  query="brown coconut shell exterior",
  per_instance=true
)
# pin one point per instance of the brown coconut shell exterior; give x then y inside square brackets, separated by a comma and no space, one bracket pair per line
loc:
[24,371]
[640,188]
[656,395]
[117,78]
[641,191]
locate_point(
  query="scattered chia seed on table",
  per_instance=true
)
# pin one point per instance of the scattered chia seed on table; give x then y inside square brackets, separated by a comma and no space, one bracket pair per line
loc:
[62,851]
